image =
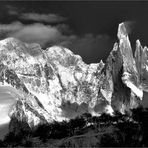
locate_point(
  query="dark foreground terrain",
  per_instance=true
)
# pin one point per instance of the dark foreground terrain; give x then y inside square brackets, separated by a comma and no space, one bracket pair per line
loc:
[84,131]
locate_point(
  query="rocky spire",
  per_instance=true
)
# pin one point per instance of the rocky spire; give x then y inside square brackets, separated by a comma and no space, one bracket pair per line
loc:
[55,84]
[130,74]
[141,57]
[122,32]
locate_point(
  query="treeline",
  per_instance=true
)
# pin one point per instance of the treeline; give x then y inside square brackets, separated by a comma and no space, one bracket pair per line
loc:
[118,130]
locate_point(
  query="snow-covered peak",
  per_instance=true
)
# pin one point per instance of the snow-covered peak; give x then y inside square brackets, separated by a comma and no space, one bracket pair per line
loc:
[122,32]
[55,84]
[138,44]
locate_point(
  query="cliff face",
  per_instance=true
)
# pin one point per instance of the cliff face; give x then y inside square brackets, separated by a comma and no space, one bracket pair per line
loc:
[55,84]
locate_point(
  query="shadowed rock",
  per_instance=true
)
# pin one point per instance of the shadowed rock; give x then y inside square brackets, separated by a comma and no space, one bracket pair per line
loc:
[55,84]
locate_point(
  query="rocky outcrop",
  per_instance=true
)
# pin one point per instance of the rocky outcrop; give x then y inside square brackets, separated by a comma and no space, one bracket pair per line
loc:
[55,84]
[141,59]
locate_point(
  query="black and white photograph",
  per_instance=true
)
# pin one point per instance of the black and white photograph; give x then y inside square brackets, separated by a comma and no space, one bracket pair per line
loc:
[73,74]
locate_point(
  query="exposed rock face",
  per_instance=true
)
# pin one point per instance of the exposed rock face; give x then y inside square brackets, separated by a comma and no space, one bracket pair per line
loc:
[141,58]
[55,84]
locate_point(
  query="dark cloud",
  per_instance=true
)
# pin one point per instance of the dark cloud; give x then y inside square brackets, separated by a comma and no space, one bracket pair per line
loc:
[11,10]
[24,14]
[91,47]
[37,32]
[49,18]
[130,26]
[15,26]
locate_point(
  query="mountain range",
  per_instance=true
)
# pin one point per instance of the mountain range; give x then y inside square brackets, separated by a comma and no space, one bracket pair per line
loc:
[56,85]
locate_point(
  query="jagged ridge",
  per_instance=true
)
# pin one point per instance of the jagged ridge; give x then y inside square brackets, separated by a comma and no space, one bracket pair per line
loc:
[55,84]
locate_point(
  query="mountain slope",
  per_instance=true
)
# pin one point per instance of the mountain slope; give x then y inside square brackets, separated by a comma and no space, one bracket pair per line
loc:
[55,84]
